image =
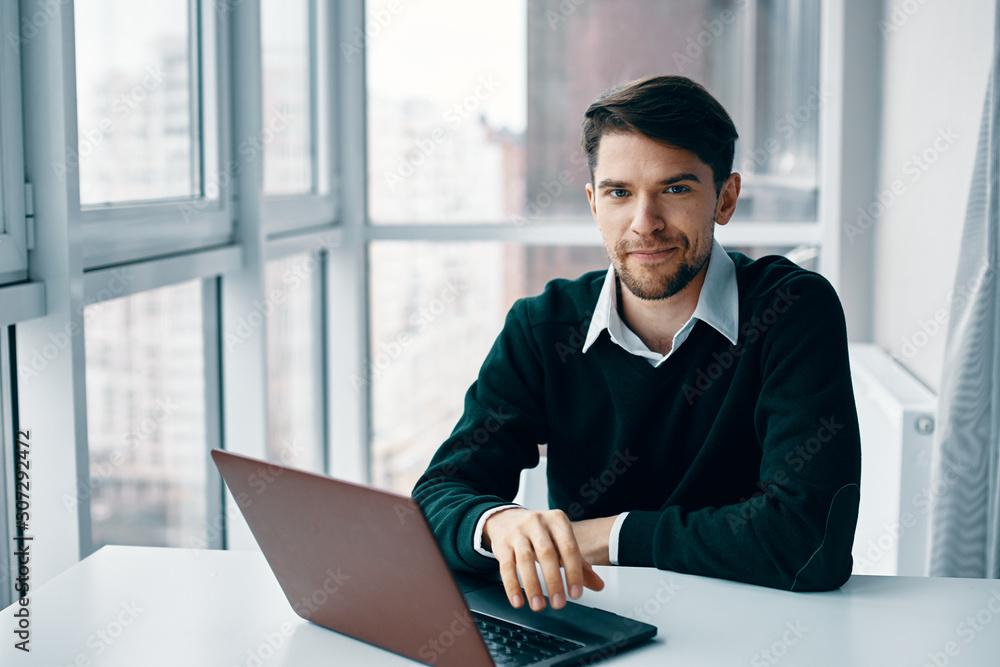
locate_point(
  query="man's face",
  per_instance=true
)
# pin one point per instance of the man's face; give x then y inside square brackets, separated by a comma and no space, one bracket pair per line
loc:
[655,206]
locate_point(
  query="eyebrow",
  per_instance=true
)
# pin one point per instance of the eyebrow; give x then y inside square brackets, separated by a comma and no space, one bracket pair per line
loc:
[612,183]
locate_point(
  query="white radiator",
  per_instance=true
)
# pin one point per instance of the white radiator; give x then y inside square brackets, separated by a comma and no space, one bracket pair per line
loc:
[896,413]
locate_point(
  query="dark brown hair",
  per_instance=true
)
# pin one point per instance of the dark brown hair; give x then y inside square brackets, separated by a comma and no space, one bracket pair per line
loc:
[671,109]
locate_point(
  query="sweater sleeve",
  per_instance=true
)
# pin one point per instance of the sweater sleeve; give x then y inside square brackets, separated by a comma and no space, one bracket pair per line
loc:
[797,532]
[478,467]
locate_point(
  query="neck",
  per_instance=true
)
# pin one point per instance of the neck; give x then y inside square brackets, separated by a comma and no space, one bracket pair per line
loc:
[656,321]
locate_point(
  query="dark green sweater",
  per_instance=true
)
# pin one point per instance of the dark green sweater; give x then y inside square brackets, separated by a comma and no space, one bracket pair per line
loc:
[735,461]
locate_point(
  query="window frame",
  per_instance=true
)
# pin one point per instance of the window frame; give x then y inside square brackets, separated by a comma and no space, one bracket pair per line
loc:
[125,232]
[14,241]
[7,453]
[284,213]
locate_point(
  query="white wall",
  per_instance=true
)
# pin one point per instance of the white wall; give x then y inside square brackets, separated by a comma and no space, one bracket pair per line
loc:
[937,58]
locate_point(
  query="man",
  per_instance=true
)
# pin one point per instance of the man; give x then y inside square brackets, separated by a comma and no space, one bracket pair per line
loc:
[697,405]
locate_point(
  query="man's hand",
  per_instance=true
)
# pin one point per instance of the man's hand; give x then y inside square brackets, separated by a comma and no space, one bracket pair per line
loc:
[519,537]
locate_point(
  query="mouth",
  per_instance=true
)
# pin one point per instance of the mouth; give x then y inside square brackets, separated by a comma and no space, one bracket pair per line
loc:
[652,254]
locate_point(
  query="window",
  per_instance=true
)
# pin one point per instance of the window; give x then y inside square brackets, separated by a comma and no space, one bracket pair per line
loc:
[295,361]
[287,46]
[298,56]
[495,136]
[446,143]
[146,418]
[13,228]
[137,101]
[436,309]
[152,153]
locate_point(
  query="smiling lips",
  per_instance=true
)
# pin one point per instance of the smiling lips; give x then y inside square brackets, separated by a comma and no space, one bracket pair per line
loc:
[652,253]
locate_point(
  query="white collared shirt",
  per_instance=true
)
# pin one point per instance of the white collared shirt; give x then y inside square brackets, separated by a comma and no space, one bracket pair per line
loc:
[718,306]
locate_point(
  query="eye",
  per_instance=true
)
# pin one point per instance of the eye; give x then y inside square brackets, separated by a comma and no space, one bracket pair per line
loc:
[678,189]
[618,193]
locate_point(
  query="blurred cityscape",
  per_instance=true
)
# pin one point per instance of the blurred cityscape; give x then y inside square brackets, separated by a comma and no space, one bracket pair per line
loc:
[435,307]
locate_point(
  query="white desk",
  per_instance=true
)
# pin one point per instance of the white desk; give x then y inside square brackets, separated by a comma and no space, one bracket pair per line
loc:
[221,609]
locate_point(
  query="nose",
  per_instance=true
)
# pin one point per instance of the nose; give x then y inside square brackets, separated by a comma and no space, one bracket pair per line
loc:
[648,216]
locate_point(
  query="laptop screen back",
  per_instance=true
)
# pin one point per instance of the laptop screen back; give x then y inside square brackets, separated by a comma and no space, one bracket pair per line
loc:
[356,560]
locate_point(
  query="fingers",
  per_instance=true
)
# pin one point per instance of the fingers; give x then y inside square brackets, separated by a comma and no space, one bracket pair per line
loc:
[572,563]
[508,572]
[548,556]
[524,554]
[546,538]
[520,539]
[591,579]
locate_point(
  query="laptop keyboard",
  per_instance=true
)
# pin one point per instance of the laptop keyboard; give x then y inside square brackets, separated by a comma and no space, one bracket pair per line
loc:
[514,645]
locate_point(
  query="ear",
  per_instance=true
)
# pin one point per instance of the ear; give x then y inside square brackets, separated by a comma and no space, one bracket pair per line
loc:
[592,198]
[726,204]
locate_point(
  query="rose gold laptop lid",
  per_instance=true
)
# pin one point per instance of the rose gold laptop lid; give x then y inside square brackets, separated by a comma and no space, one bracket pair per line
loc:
[356,560]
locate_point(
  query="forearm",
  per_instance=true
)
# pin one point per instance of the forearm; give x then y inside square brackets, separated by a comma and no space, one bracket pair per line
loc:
[763,541]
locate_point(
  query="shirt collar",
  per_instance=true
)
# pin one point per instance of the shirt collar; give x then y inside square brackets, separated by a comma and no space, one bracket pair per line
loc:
[718,304]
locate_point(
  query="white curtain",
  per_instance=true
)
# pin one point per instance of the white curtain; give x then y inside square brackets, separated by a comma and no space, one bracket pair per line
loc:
[965,529]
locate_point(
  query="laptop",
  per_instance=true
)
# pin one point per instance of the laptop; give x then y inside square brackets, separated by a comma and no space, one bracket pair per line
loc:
[365,563]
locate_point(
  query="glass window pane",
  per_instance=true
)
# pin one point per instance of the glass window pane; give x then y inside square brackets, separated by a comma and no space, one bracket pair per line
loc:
[135,106]
[436,309]
[146,418]
[446,110]
[780,162]
[295,362]
[287,68]
[446,147]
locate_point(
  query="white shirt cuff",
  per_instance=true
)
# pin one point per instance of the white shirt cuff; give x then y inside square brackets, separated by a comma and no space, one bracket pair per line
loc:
[616,529]
[477,539]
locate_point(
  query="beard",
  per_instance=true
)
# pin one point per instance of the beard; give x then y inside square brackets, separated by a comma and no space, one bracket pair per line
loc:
[652,282]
